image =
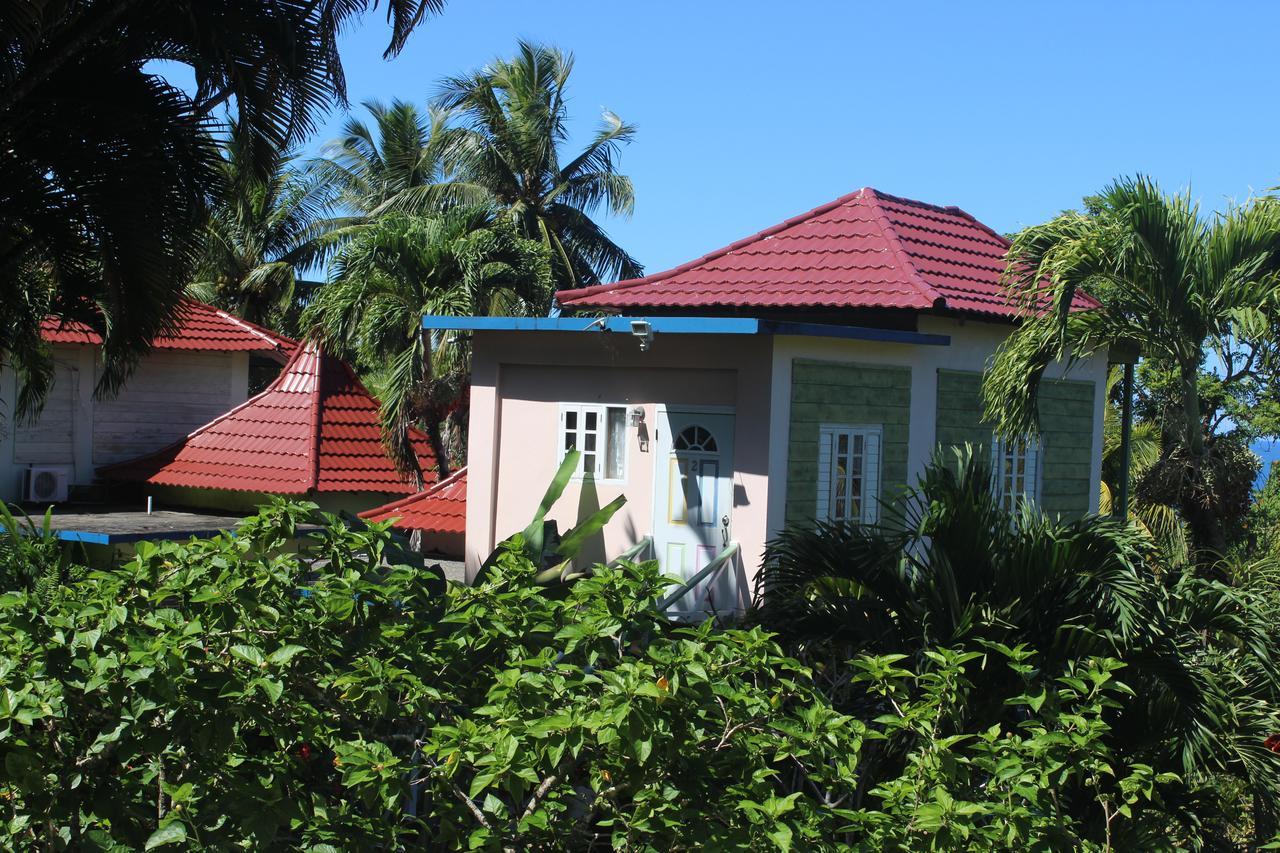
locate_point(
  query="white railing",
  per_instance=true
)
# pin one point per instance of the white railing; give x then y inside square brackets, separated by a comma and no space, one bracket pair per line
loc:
[705,578]
[633,553]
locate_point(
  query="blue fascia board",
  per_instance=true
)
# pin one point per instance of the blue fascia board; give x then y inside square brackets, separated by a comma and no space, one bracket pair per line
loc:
[668,325]
[857,333]
[84,536]
[94,538]
[681,326]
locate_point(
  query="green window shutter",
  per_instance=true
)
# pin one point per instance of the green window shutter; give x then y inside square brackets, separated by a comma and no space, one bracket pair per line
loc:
[848,395]
[1066,449]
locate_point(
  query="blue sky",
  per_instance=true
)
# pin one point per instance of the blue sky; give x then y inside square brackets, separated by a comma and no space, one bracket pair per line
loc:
[750,113]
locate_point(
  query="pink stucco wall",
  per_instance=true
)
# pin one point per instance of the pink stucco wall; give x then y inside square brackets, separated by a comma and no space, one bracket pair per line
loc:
[520,380]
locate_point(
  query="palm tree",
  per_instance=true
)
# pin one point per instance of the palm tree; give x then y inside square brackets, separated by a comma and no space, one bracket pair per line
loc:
[259,235]
[1169,280]
[1158,520]
[396,269]
[395,165]
[950,567]
[508,126]
[105,166]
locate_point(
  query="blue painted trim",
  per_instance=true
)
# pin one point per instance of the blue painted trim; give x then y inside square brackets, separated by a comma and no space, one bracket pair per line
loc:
[660,325]
[83,536]
[857,333]
[93,538]
[683,326]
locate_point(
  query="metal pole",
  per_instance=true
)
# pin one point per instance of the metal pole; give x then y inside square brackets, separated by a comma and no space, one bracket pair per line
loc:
[1126,434]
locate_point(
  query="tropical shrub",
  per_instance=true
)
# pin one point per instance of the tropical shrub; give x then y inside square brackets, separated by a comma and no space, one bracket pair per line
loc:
[242,691]
[949,567]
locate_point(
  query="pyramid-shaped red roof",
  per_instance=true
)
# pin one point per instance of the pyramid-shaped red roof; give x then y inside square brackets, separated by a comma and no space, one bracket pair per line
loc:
[442,508]
[315,428]
[865,250]
[199,327]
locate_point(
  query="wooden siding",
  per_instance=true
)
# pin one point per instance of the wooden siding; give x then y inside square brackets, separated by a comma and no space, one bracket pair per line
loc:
[169,396]
[50,440]
[1066,424]
[826,392]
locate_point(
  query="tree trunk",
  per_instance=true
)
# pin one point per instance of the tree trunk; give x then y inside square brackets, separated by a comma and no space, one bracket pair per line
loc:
[1210,538]
[441,453]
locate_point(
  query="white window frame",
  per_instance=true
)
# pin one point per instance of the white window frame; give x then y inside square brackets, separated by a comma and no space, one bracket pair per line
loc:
[1031,453]
[601,411]
[873,457]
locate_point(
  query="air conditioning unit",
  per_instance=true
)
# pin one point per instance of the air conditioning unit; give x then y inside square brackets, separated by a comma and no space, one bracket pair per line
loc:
[47,484]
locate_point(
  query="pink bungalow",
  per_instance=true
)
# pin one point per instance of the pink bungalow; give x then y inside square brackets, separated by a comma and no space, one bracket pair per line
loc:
[807,372]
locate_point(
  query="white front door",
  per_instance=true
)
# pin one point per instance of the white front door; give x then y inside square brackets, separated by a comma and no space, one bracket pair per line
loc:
[693,503]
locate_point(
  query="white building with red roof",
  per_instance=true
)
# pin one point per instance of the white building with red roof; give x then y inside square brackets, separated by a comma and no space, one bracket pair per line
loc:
[808,372]
[191,376]
[312,434]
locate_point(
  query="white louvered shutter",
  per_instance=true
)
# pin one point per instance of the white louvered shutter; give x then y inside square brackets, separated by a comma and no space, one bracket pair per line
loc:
[826,439]
[1032,487]
[871,477]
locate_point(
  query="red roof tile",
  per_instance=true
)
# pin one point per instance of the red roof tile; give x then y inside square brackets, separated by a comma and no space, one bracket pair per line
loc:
[440,509]
[314,428]
[199,327]
[865,250]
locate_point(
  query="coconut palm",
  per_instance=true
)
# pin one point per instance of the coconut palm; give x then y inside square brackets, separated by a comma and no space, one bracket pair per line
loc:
[1170,280]
[504,146]
[259,235]
[397,268]
[949,566]
[105,166]
[393,165]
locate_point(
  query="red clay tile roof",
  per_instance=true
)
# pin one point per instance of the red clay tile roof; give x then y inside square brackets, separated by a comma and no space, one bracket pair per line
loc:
[865,250]
[440,509]
[200,327]
[314,428]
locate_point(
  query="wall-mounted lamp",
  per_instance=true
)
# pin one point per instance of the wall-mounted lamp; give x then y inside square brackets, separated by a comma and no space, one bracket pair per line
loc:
[644,332]
[642,432]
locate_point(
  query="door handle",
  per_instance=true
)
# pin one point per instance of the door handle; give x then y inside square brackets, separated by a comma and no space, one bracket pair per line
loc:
[724,531]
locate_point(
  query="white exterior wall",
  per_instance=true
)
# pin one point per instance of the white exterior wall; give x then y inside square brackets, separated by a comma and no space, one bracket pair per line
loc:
[171,393]
[972,345]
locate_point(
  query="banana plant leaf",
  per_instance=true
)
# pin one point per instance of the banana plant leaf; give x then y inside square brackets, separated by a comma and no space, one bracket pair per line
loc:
[552,553]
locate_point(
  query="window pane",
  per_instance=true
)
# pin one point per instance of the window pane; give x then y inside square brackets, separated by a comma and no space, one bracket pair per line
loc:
[589,420]
[615,443]
[571,420]
[589,464]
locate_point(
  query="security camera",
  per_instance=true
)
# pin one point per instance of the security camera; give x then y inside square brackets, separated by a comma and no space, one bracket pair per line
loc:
[644,332]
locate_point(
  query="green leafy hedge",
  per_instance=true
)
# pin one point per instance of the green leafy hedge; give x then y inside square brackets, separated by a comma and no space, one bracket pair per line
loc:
[232,692]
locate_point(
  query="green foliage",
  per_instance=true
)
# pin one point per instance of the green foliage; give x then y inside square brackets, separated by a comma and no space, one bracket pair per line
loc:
[542,544]
[261,232]
[398,267]
[107,165]
[1263,523]
[948,567]
[1176,284]
[31,556]
[507,125]
[234,691]
[1159,520]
